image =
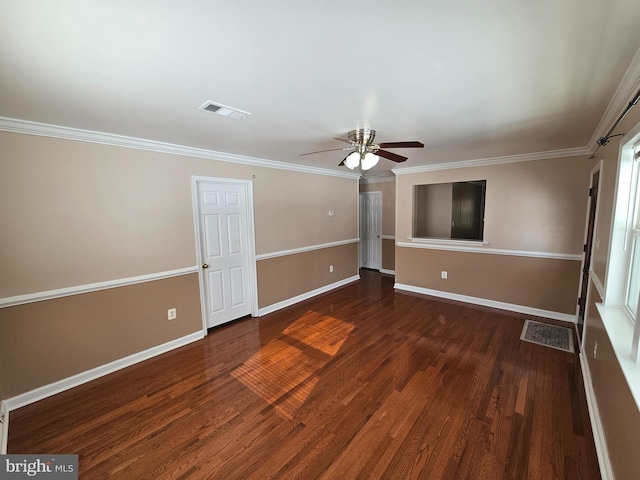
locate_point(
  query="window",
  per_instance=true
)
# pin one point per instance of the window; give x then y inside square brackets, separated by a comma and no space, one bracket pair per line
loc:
[619,310]
[633,239]
[449,210]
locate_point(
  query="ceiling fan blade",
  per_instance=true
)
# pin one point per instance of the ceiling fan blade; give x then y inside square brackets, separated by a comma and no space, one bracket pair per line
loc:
[321,151]
[402,145]
[342,140]
[391,156]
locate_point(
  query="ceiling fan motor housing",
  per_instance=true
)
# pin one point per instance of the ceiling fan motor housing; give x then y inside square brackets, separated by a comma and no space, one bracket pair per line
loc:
[362,136]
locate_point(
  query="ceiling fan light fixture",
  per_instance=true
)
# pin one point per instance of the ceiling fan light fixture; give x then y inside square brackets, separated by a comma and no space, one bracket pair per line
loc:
[352,160]
[369,160]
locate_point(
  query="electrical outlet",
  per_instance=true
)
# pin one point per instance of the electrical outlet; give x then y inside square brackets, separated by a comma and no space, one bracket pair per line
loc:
[443,274]
[595,350]
[172,314]
[330,268]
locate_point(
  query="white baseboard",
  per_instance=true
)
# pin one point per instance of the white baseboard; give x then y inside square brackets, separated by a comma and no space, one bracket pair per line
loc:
[388,272]
[488,303]
[305,296]
[65,384]
[596,425]
[4,427]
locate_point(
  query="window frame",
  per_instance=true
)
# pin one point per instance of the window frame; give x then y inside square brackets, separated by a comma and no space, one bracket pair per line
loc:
[632,237]
[619,321]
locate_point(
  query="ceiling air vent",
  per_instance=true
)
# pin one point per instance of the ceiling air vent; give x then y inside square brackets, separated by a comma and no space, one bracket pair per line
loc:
[225,111]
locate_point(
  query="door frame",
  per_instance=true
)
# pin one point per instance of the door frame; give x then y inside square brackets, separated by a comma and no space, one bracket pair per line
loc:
[379,195]
[251,243]
[594,246]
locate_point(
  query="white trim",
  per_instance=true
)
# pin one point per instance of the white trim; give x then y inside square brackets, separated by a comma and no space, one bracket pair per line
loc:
[54,388]
[446,241]
[388,237]
[293,251]
[33,128]
[92,287]
[388,272]
[488,303]
[390,177]
[597,283]
[253,275]
[4,427]
[596,424]
[492,251]
[306,296]
[482,162]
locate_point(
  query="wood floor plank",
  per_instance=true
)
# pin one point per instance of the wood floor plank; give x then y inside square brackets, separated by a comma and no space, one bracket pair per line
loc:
[361,382]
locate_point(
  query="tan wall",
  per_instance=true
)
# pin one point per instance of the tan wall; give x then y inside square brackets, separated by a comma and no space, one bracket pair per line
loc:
[535,206]
[292,210]
[618,412]
[83,213]
[281,278]
[388,254]
[75,213]
[541,283]
[388,190]
[47,341]
[435,204]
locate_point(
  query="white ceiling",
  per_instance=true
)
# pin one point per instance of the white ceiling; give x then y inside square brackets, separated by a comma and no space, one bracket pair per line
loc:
[471,79]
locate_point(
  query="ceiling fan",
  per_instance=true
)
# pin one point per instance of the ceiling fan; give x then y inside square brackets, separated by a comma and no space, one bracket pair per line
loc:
[366,153]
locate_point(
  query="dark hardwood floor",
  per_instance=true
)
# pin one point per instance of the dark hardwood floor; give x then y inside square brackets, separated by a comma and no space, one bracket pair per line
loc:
[362,382]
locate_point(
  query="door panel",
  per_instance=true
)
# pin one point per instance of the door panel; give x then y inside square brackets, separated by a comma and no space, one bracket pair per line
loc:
[237,279]
[225,256]
[216,291]
[212,227]
[234,232]
[370,230]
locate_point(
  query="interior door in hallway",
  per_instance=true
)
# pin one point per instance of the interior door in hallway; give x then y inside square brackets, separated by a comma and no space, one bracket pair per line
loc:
[371,230]
[224,249]
[588,249]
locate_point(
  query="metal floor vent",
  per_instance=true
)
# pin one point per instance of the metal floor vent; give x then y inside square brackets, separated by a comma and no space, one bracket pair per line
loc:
[553,336]
[224,110]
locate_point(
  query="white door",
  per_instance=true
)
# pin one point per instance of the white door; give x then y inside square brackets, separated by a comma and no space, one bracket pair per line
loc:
[370,230]
[224,251]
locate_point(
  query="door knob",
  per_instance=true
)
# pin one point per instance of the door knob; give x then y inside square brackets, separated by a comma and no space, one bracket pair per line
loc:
[205,265]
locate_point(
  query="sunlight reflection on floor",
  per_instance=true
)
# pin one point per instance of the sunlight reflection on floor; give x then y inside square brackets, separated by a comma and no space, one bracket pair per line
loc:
[283,373]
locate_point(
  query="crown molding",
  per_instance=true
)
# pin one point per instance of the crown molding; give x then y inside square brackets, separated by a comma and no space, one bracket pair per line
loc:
[481,162]
[42,129]
[378,177]
[628,87]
